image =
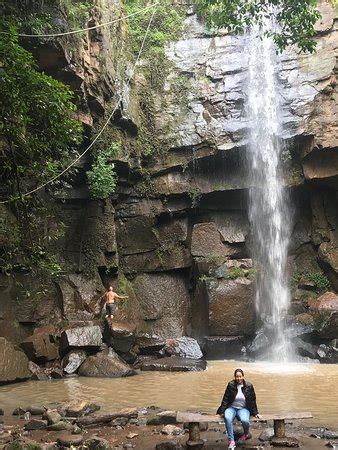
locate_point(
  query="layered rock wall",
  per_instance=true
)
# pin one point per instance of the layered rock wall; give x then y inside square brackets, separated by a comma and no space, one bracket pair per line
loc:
[175,237]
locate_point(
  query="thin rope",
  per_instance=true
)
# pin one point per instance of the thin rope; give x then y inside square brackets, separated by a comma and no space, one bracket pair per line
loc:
[65,33]
[102,129]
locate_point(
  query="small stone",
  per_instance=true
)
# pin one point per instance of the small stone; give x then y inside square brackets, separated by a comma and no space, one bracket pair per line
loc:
[36,424]
[56,373]
[52,417]
[330,435]
[36,410]
[20,411]
[76,430]
[286,441]
[97,443]
[134,421]
[67,440]
[119,422]
[128,445]
[332,444]
[172,430]
[168,445]
[131,435]
[60,426]
[266,434]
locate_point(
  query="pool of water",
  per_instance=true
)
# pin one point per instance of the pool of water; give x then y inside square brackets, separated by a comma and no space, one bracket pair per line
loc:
[279,388]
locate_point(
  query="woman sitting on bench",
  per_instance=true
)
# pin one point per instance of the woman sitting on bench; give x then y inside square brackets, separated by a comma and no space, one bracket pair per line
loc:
[239,401]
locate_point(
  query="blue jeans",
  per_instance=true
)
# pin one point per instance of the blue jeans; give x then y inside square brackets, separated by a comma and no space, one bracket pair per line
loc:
[242,414]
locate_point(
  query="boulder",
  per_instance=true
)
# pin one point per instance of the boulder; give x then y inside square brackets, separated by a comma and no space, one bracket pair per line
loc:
[81,337]
[119,335]
[36,424]
[259,344]
[96,443]
[78,408]
[164,303]
[38,373]
[231,307]
[168,445]
[185,347]
[148,344]
[175,364]
[224,347]
[172,430]
[14,363]
[69,440]
[325,312]
[327,354]
[207,241]
[41,346]
[105,364]
[305,348]
[73,360]
[52,416]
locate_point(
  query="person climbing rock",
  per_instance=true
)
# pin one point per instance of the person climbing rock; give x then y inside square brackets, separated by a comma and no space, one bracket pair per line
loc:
[110,298]
[239,401]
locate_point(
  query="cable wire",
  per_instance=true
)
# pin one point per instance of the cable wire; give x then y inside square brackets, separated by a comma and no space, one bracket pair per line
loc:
[65,33]
[102,129]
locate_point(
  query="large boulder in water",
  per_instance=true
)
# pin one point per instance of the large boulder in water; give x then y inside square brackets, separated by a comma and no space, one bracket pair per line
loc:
[14,363]
[175,364]
[325,312]
[81,337]
[185,347]
[105,364]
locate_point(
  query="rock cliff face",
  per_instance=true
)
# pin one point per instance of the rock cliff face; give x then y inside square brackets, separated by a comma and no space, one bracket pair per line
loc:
[175,237]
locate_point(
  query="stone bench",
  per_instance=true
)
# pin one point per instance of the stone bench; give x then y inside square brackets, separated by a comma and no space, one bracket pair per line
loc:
[195,419]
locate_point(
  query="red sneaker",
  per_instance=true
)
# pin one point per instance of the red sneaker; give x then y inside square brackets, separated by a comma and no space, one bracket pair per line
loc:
[232,445]
[243,438]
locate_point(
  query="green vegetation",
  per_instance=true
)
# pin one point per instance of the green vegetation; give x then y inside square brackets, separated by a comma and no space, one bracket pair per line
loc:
[296,19]
[102,177]
[38,131]
[320,281]
[35,16]
[195,196]
[238,272]
[166,26]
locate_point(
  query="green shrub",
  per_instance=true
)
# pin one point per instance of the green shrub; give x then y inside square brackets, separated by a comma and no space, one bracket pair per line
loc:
[320,281]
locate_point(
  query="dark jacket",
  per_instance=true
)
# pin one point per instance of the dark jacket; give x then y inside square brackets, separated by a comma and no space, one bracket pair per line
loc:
[231,392]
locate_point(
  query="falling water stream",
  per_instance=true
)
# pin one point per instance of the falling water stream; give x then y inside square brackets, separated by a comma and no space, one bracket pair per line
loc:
[269,211]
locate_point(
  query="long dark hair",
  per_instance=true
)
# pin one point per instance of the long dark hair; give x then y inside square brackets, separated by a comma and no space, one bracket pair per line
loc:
[238,370]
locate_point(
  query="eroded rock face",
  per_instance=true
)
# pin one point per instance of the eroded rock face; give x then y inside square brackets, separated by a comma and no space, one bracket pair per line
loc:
[73,360]
[231,307]
[14,363]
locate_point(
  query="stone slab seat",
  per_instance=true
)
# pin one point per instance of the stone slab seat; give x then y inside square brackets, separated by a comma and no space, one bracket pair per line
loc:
[194,420]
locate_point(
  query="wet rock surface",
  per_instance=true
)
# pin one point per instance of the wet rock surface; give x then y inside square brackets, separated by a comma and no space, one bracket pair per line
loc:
[80,337]
[14,363]
[175,364]
[105,364]
[73,360]
[183,347]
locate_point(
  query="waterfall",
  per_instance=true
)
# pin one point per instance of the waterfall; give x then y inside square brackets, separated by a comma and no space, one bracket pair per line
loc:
[269,210]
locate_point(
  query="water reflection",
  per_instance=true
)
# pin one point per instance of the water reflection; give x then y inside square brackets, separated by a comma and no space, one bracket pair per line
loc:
[292,387]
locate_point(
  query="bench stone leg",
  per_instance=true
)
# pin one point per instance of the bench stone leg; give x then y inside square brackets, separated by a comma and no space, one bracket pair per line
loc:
[279,428]
[195,440]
